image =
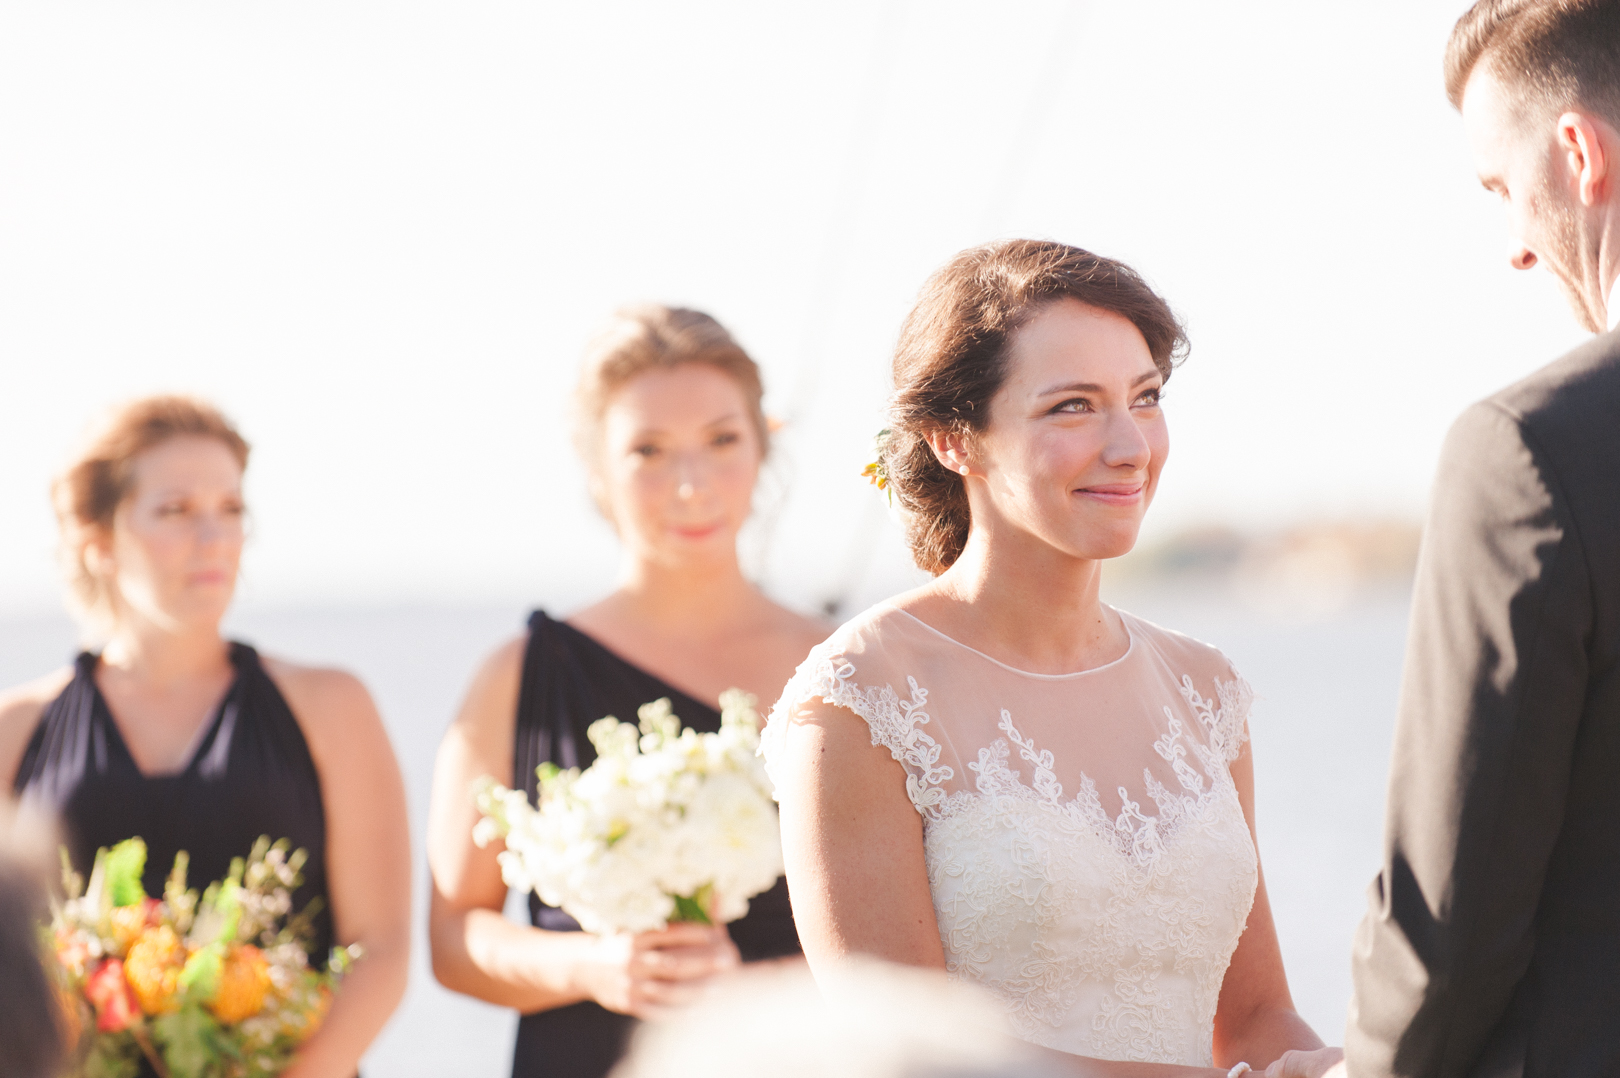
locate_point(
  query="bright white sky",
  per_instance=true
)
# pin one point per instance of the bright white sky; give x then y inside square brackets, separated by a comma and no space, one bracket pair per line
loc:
[379,234]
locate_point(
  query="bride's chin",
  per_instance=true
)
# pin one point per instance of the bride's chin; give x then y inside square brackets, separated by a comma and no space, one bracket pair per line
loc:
[1103,545]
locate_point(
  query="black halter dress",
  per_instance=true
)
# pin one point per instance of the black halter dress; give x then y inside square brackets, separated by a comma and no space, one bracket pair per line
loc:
[570,681]
[250,775]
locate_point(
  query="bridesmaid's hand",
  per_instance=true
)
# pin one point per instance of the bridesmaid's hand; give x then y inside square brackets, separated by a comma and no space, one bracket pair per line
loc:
[650,974]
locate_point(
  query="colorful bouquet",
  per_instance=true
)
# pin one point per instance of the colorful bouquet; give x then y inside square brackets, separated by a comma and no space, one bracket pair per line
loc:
[666,825]
[216,986]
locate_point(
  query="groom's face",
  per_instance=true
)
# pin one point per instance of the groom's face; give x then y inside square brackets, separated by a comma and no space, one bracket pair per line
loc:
[1516,151]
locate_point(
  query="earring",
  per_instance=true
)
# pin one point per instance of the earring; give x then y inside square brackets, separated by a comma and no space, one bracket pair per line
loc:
[964,469]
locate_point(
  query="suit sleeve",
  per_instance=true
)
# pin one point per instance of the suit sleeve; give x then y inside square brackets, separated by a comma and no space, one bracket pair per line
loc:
[1491,700]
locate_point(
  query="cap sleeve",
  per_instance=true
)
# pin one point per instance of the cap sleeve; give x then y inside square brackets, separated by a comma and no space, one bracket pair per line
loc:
[1223,716]
[840,673]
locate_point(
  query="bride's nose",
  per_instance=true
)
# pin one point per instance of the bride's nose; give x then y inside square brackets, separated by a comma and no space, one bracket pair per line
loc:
[1127,446]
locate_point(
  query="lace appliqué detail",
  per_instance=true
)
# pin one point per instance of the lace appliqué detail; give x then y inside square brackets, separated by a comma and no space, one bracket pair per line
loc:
[1105,935]
[896,724]
[1064,911]
[1134,834]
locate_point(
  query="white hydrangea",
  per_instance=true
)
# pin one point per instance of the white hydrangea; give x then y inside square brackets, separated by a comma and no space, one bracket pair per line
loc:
[664,814]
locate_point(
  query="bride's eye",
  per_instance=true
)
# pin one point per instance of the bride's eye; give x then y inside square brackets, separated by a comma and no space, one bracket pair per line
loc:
[1073,406]
[646,452]
[1151,398]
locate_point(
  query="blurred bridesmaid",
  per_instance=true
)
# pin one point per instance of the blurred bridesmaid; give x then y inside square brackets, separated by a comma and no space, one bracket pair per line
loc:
[669,423]
[198,743]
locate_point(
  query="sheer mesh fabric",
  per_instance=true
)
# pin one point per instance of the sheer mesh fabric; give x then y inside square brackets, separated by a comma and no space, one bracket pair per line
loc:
[1089,861]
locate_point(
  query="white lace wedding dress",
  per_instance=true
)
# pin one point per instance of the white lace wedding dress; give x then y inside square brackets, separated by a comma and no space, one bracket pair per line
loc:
[1089,861]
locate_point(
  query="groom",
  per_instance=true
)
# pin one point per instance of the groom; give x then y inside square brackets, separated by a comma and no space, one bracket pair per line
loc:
[1492,941]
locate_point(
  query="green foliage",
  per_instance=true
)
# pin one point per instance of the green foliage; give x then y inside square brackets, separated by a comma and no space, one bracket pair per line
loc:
[199,977]
[694,910]
[220,911]
[341,958]
[191,1042]
[182,903]
[125,864]
[111,1056]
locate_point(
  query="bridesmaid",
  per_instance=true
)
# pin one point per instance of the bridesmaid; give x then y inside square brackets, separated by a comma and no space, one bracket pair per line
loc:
[668,421]
[197,743]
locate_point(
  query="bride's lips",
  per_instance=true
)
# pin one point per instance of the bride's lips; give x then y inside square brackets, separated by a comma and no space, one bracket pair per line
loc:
[699,532]
[1116,493]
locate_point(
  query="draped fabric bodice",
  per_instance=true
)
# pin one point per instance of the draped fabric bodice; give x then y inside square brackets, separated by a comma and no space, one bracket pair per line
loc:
[569,681]
[1089,860]
[250,774]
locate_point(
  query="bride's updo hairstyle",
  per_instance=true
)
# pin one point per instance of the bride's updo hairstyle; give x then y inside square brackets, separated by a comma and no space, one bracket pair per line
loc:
[653,337]
[87,494]
[952,358]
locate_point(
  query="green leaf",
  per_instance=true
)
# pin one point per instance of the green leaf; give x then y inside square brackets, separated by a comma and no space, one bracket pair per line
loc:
[111,1056]
[691,910]
[126,863]
[191,1042]
[199,977]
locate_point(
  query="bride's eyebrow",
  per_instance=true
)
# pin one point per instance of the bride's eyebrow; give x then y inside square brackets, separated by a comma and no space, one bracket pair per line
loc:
[1093,387]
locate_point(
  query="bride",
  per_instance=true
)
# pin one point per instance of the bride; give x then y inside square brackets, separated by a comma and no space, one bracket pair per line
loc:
[997,774]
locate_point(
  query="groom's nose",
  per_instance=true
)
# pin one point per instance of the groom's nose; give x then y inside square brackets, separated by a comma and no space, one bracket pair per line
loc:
[1522,257]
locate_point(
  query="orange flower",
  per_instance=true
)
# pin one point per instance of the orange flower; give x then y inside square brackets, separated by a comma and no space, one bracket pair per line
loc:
[244,980]
[128,922]
[152,967]
[107,990]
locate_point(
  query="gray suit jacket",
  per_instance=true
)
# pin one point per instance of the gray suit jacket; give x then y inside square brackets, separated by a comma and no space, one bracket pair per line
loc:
[1492,941]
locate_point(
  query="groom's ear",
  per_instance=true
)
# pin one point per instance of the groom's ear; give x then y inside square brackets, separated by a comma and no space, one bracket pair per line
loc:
[951,450]
[1586,151]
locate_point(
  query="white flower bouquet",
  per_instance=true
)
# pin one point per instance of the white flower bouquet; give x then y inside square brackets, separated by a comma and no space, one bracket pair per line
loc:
[667,825]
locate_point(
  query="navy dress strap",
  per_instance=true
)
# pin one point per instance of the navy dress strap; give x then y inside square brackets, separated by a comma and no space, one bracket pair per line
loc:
[569,681]
[250,774]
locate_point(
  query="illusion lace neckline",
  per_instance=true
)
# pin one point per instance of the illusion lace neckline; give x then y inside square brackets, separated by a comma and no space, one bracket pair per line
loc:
[1124,619]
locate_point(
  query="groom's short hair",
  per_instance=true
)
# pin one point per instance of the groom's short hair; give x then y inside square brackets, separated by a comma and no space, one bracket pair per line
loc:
[1550,54]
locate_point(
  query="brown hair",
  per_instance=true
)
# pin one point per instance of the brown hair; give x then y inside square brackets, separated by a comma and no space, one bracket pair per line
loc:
[89,491]
[1555,52]
[34,1021]
[952,355]
[654,337]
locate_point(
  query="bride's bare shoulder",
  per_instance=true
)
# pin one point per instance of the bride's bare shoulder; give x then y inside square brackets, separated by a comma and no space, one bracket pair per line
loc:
[1193,655]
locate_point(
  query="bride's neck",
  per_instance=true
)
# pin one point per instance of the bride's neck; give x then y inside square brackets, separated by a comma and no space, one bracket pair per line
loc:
[1030,605]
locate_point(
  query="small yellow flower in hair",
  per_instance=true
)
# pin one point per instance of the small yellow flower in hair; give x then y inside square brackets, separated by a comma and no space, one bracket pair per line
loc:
[875,473]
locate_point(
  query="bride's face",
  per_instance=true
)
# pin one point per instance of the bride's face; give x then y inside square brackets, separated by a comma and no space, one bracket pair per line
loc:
[1076,437]
[680,458]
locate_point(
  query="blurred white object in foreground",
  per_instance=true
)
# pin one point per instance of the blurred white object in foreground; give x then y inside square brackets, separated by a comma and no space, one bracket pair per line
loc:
[867,1019]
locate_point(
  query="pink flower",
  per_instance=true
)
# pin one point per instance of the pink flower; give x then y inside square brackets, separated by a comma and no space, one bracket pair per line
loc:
[115,1003]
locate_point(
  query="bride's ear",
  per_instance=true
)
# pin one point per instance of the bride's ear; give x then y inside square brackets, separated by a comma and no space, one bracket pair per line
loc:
[951,450]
